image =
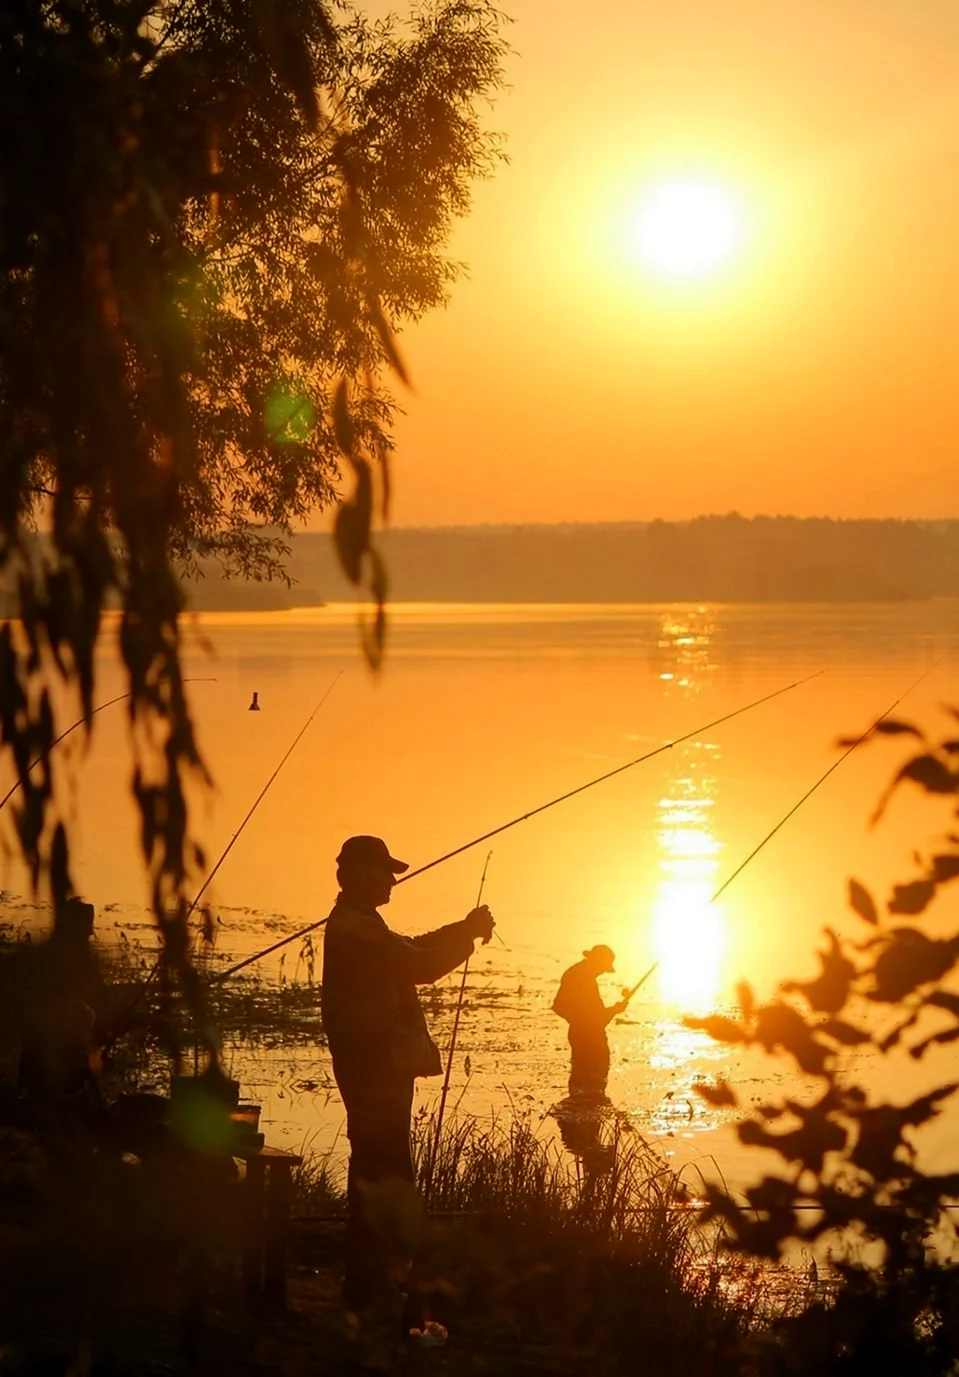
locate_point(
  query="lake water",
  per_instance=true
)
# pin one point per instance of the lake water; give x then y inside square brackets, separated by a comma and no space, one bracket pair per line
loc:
[481,714]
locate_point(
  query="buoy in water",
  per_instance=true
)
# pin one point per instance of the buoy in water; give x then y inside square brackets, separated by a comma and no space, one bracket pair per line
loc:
[255,704]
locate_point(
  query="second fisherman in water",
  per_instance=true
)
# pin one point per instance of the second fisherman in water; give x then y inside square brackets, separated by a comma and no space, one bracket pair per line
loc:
[580,1004]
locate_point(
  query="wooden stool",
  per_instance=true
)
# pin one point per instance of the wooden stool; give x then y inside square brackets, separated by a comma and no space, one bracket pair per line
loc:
[267,1191]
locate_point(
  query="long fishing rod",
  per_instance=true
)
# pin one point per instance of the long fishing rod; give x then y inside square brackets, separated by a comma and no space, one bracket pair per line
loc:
[467,846]
[121,697]
[260,796]
[229,847]
[452,1047]
[852,746]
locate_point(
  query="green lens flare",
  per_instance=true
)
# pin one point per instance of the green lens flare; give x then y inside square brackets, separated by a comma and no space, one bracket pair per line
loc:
[289,414]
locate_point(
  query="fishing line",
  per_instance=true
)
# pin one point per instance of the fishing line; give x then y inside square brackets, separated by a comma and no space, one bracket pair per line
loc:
[79,723]
[452,1049]
[821,780]
[259,798]
[853,745]
[649,755]
[229,847]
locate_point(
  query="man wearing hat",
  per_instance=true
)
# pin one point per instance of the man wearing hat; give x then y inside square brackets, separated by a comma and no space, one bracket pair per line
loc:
[580,1004]
[377,1033]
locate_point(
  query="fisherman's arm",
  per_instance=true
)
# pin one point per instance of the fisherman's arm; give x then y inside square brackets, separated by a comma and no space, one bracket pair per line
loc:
[431,955]
[615,1010]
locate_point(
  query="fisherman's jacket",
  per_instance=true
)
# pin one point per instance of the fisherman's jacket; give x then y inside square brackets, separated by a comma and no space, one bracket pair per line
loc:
[371,1012]
[579,1002]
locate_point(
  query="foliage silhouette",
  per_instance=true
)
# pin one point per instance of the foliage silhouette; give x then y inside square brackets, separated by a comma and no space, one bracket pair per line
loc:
[852,1154]
[214,213]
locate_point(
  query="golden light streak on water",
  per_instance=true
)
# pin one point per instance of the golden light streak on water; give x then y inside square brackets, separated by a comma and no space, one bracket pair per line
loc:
[688,930]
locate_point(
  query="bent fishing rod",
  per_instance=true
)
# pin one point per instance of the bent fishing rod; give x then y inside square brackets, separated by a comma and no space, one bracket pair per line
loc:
[452,1047]
[120,698]
[852,746]
[514,822]
[229,847]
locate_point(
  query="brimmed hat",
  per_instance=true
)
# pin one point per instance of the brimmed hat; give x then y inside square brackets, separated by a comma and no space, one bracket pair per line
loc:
[364,851]
[601,949]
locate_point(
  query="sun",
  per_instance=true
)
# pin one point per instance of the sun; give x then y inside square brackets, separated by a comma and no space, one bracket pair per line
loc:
[687,228]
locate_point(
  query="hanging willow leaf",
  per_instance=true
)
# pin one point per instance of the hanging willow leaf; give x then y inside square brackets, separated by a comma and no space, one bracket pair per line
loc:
[343,427]
[386,339]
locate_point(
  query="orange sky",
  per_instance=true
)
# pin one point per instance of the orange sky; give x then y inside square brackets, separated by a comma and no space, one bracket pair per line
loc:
[817,377]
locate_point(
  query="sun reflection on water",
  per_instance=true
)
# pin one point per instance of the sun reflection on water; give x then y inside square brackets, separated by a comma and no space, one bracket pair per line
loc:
[688,929]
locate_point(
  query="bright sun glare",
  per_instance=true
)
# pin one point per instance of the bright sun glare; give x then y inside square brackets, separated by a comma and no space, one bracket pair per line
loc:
[687,228]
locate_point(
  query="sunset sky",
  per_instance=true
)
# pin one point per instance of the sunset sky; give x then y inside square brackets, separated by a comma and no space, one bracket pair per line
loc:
[814,371]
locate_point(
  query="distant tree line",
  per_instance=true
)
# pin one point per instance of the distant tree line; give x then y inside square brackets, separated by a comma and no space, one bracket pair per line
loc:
[715,558]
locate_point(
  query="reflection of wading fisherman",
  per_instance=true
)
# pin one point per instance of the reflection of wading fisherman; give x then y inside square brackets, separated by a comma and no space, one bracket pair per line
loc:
[377,1033]
[579,1003]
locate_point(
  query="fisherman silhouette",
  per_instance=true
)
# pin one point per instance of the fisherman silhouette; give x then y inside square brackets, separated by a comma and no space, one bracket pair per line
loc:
[379,1042]
[578,1001]
[255,704]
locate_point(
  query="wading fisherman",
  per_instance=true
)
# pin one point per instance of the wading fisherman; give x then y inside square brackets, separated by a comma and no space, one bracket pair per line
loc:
[579,1002]
[379,1040]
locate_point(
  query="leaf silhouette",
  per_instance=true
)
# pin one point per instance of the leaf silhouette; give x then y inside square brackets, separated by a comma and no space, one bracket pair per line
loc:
[944,999]
[931,773]
[828,992]
[945,867]
[808,1144]
[780,1026]
[718,1027]
[881,1132]
[890,727]
[386,340]
[746,999]
[950,1035]
[892,1038]
[342,421]
[862,902]
[843,1032]
[926,770]
[910,959]
[912,898]
[718,1095]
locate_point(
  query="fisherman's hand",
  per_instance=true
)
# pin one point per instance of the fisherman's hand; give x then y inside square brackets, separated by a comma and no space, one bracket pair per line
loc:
[480,923]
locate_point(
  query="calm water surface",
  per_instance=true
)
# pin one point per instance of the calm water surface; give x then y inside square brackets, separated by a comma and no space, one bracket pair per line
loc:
[483,713]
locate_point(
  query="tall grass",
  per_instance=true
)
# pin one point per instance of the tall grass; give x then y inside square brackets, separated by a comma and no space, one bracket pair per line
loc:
[600,1264]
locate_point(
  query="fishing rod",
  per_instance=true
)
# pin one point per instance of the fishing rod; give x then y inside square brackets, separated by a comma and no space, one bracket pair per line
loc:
[852,746]
[229,847]
[504,827]
[639,983]
[79,723]
[452,1048]
[259,798]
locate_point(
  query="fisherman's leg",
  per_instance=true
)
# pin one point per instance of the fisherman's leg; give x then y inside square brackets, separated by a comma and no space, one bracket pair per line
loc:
[378,1127]
[589,1065]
